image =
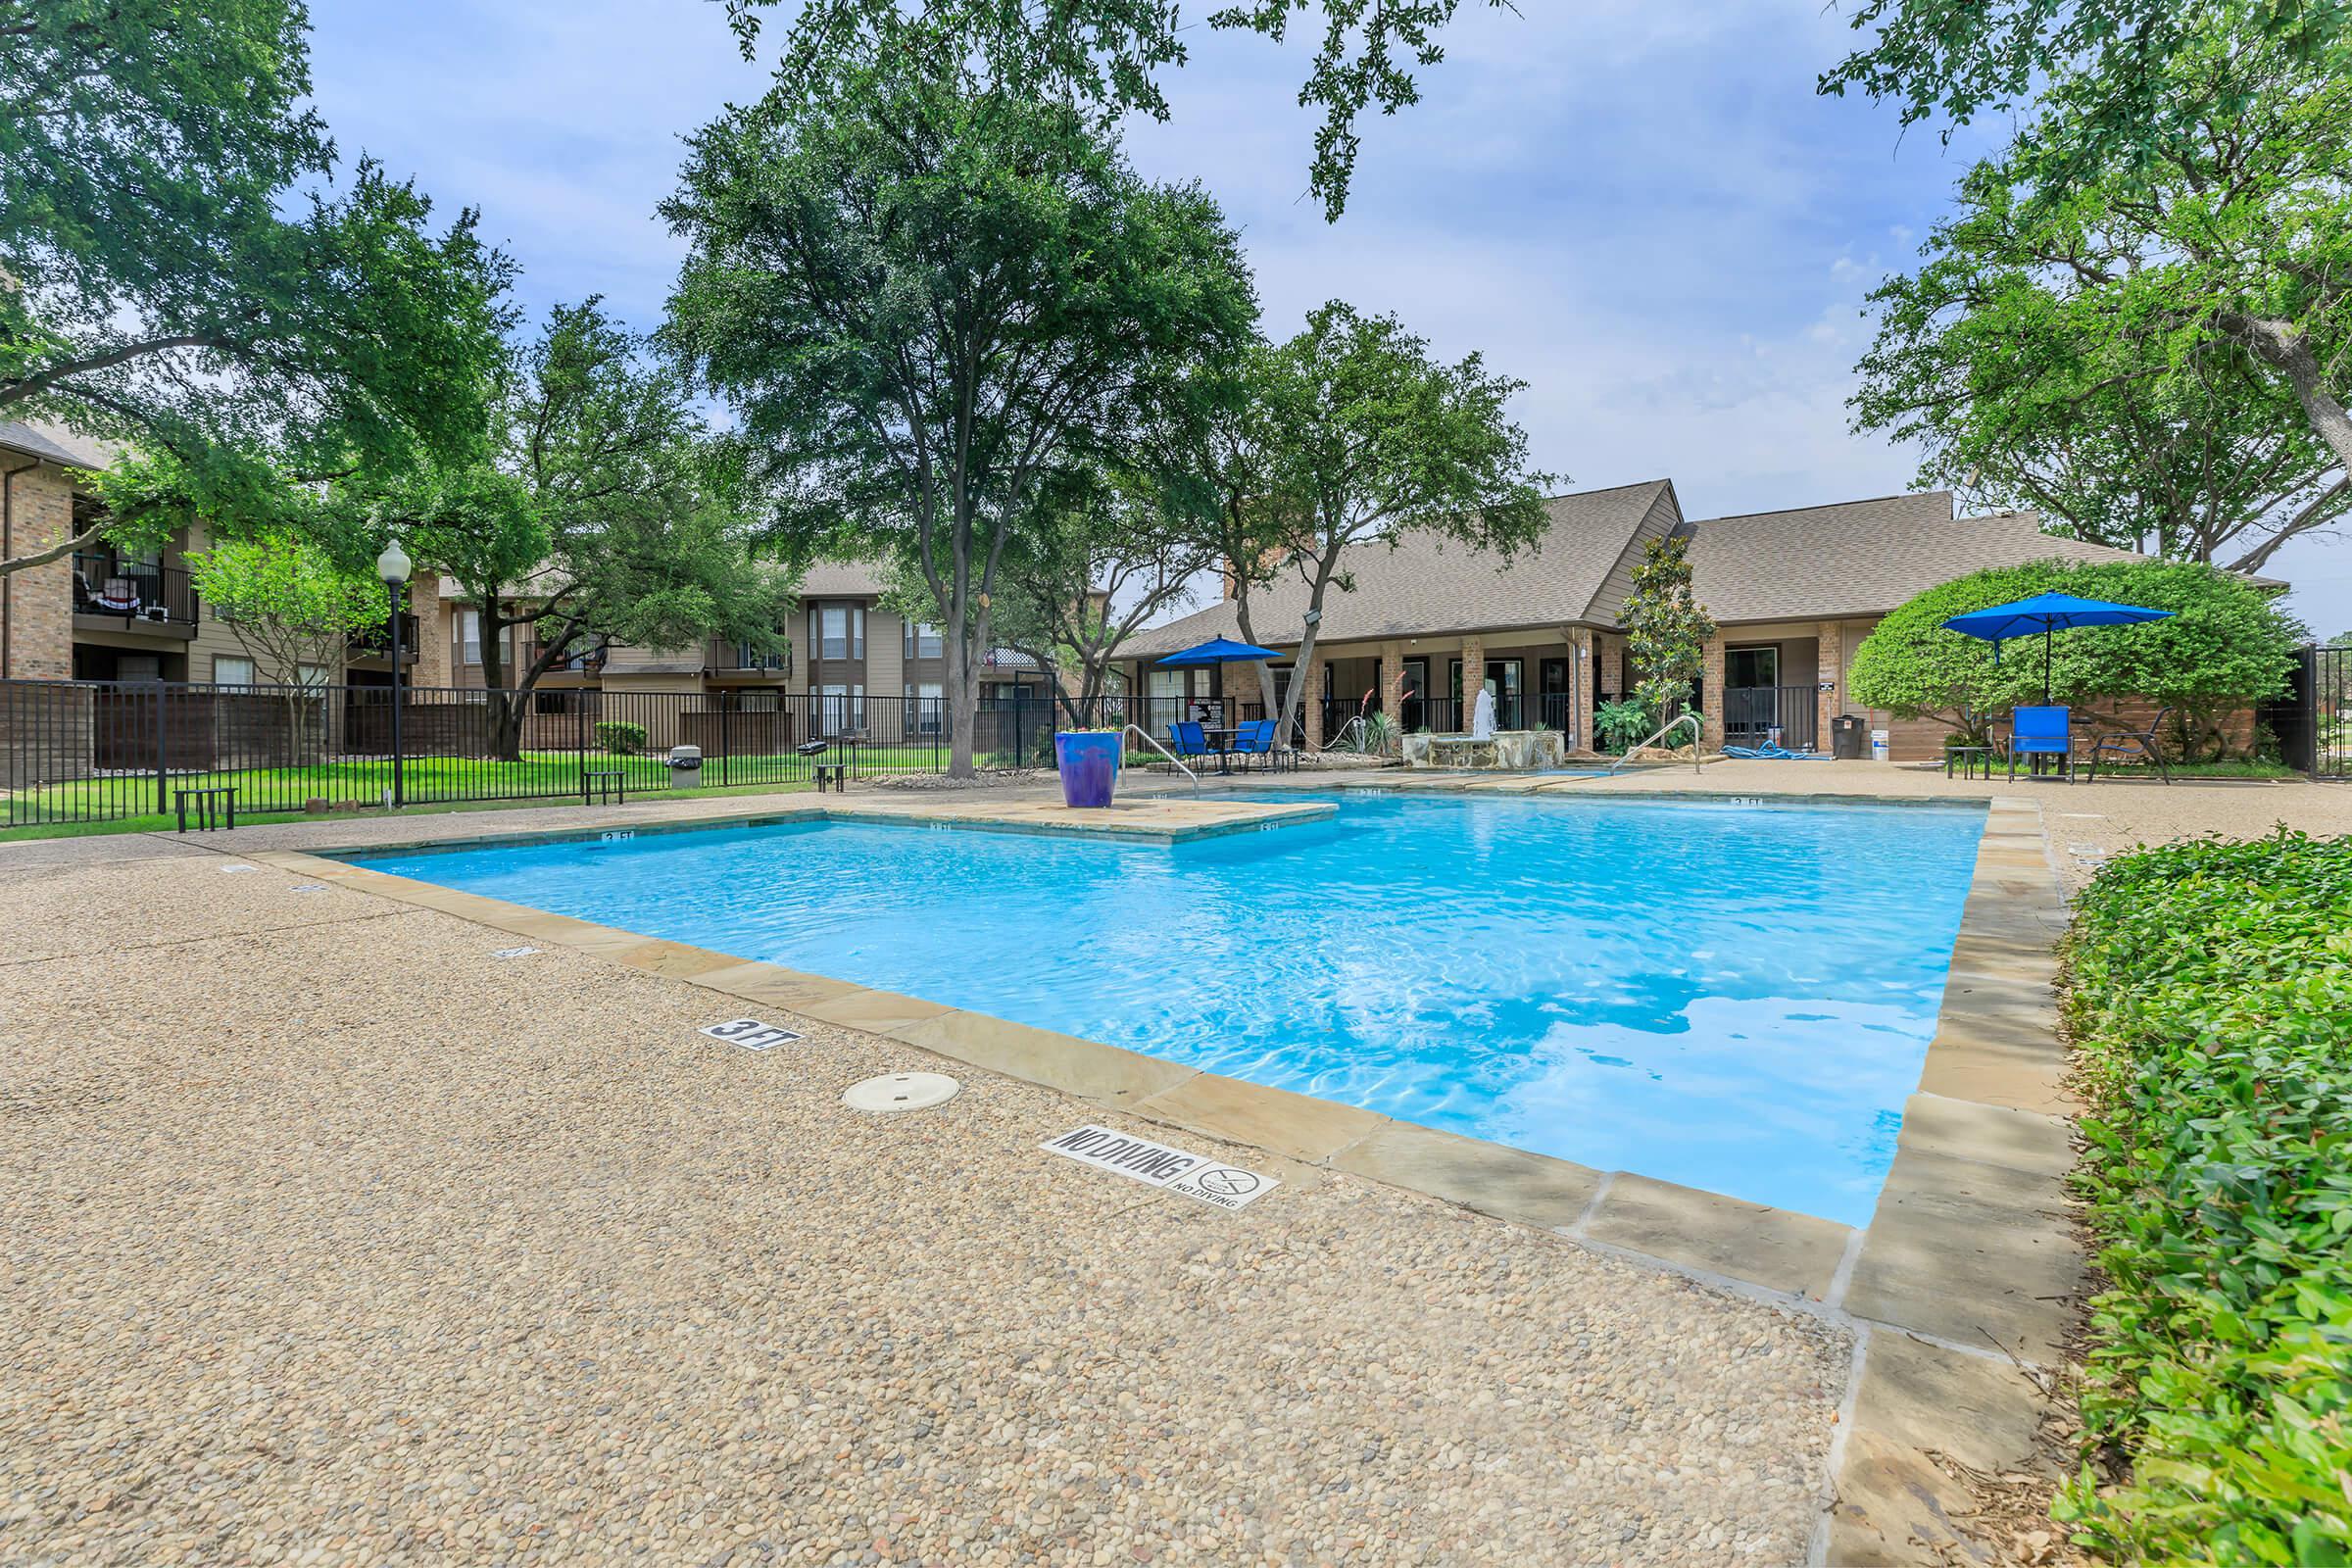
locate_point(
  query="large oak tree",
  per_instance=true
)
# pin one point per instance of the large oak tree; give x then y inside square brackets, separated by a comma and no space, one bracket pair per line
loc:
[604,516]
[2151,341]
[927,288]
[1376,439]
[180,271]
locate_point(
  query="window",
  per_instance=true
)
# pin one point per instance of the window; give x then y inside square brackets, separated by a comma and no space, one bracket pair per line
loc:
[1745,668]
[841,631]
[469,636]
[750,655]
[841,709]
[923,642]
[926,707]
[231,670]
[312,677]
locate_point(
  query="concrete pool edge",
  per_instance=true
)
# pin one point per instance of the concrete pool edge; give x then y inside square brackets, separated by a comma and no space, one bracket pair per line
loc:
[1958,1293]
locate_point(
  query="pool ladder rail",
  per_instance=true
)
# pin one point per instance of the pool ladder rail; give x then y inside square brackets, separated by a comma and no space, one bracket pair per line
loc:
[1669,727]
[1145,735]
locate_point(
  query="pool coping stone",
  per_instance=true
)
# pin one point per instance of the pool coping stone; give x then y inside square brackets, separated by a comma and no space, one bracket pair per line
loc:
[1944,1289]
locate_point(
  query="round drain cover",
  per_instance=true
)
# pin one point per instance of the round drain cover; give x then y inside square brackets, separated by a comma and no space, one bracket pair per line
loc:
[901,1091]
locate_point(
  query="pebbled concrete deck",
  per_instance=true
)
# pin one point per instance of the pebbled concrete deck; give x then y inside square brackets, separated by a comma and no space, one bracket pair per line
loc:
[330,1231]
[1967,1265]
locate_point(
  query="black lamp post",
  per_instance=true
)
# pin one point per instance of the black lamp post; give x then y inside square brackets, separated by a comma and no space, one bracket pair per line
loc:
[393,568]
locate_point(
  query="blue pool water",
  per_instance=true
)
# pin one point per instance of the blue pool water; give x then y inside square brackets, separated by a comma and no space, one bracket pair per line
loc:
[1730,997]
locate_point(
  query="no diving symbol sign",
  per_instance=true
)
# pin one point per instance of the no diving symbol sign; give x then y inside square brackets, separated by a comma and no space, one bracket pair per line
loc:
[1157,1165]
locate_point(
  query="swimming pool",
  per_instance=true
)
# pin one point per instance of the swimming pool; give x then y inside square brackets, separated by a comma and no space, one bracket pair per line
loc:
[1731,997]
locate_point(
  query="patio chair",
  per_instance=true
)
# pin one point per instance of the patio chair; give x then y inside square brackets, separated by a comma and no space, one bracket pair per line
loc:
[1256,739]
[1188,740]
[2042,733]
[2144,739]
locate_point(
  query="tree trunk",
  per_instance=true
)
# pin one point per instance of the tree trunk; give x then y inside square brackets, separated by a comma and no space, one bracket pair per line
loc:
[1266,671]
[963,695]
[505,728]
[1297,694]
[2282,347]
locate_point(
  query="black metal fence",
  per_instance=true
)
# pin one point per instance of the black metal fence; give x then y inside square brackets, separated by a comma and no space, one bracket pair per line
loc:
[110,750]
[1751,715]
[2313,719]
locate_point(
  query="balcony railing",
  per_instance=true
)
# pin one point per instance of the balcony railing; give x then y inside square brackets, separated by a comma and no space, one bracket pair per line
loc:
[587,661]
[376,642]
[723,655]
[137,591]
[1750,714]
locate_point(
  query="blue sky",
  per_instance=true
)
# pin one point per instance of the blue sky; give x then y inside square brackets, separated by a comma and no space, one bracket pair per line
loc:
[1642,211]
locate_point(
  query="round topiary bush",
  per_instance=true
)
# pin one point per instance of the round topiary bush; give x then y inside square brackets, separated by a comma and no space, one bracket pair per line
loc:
[2225,647]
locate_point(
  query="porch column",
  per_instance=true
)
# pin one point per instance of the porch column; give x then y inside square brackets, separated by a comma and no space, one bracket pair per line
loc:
[1392,683]
[1711,696]
[433,631]
[1586,672]
[1239,683]
[1828,679]
[1610,676]
[1474,681]
[1310,704]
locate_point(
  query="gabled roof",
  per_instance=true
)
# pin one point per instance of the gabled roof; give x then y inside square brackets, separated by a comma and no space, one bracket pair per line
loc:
[54,443]
[1428,584]
[1859,558]
[844,579]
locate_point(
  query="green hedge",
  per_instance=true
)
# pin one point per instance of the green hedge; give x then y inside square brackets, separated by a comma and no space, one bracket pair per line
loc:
[2212,998]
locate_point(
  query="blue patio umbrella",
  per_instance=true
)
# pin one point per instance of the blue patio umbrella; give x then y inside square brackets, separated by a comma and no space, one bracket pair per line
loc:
[1218,650]
[2045,614]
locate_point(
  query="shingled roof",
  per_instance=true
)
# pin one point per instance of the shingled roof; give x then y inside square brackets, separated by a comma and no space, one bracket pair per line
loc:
[844,579]
[1859,558]
[1427,584]
[39,438]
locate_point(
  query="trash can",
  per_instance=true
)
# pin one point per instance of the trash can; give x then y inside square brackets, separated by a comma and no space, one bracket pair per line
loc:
[1847,738]
[685,766]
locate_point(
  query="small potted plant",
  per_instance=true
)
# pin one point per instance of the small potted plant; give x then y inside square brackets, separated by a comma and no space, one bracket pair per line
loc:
[1087,761]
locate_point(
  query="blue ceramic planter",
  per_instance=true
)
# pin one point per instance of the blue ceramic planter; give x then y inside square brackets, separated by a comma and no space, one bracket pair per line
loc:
[1089,764]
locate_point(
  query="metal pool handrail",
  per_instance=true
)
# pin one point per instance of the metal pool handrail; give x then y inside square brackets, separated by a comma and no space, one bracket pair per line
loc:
[1145,735]
[1664,730]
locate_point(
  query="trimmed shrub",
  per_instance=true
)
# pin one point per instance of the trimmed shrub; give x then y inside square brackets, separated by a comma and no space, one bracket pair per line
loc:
[2211,996]
[622,739]
[2225,647]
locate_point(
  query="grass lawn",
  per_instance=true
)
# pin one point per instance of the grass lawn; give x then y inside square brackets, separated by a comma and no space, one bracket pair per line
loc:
[126,802]
[2232,768]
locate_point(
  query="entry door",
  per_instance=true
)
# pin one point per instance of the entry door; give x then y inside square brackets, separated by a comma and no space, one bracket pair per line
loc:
[1412,715]
[1552,683]
[1504,679]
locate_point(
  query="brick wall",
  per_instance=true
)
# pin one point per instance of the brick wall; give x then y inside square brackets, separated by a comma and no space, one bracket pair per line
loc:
[38,601]
[1711,694]
[425,602]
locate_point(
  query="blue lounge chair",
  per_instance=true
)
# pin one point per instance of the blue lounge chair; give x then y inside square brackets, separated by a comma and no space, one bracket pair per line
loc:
[1257,739]
[1770,753]
[2042,733]
[1190,740]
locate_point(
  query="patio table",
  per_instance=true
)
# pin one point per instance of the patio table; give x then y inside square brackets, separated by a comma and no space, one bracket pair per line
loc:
[1968,756]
